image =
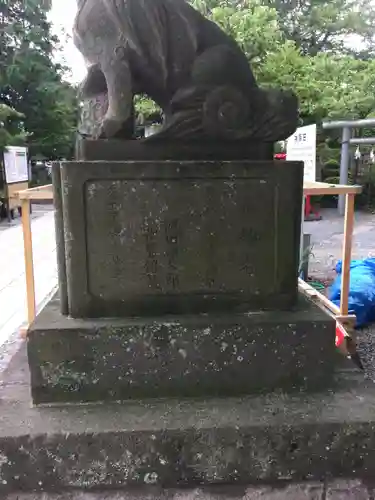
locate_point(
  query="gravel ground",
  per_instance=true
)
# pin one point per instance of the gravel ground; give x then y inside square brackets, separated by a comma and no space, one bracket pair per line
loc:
[327,239]
[366,350]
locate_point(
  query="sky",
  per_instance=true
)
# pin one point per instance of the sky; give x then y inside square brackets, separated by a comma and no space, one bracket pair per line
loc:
[62,16]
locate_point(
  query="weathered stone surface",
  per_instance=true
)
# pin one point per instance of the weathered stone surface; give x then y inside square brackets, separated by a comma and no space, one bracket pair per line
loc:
[152,238]
[60,238]
[308,491]
[347,490]
[303,491]
[203,355]
[118,150]
[170,443]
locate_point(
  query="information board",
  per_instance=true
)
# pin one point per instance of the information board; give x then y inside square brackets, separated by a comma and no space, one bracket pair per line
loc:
[16,165]
[301,146]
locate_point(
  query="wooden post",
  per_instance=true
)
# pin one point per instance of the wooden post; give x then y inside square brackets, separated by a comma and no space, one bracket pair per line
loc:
[347,251]
[29,265]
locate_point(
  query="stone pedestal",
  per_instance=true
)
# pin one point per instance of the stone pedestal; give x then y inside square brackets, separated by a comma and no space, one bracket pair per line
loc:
[80,360]
[204,150]
[178,285]
[174,442]
[178,237]
[181,282]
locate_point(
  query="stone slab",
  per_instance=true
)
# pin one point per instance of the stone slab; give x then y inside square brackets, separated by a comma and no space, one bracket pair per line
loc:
[304,491]
[323,490]
[150,238]
[185,356]
[348,490]
[150,150]
[175,443]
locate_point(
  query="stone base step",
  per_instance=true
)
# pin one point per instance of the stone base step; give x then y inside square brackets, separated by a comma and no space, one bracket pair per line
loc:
[173,443]
[82,360]
[329,490]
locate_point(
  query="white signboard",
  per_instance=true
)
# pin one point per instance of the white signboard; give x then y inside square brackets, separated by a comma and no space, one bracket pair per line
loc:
[301,146]
[16,165]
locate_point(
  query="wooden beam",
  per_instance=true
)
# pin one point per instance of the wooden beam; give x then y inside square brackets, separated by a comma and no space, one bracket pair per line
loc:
[347,251]
[314,295]
[37,193]
[309,188]
[322,188]
[13,189]
[347,322]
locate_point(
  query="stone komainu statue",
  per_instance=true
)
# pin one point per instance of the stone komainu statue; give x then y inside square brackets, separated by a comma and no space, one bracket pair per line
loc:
[193,70]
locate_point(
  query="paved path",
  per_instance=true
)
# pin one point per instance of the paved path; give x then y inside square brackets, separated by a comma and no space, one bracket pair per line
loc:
[13,312]
[332,490]
[327,240]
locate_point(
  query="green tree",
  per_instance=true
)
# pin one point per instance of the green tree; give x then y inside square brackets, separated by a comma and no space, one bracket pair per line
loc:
[252,24]
[30,81]
[12,132]
[145,108]
[329,85]
[314,25]
[325,25]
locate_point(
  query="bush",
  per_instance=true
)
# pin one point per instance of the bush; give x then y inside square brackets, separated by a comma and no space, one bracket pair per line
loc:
[331,168]
[367,197]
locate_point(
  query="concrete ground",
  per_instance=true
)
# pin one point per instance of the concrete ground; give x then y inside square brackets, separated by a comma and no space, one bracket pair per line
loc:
[13,312]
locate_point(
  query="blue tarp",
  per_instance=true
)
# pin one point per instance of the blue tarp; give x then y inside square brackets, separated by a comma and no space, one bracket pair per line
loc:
[361,290]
